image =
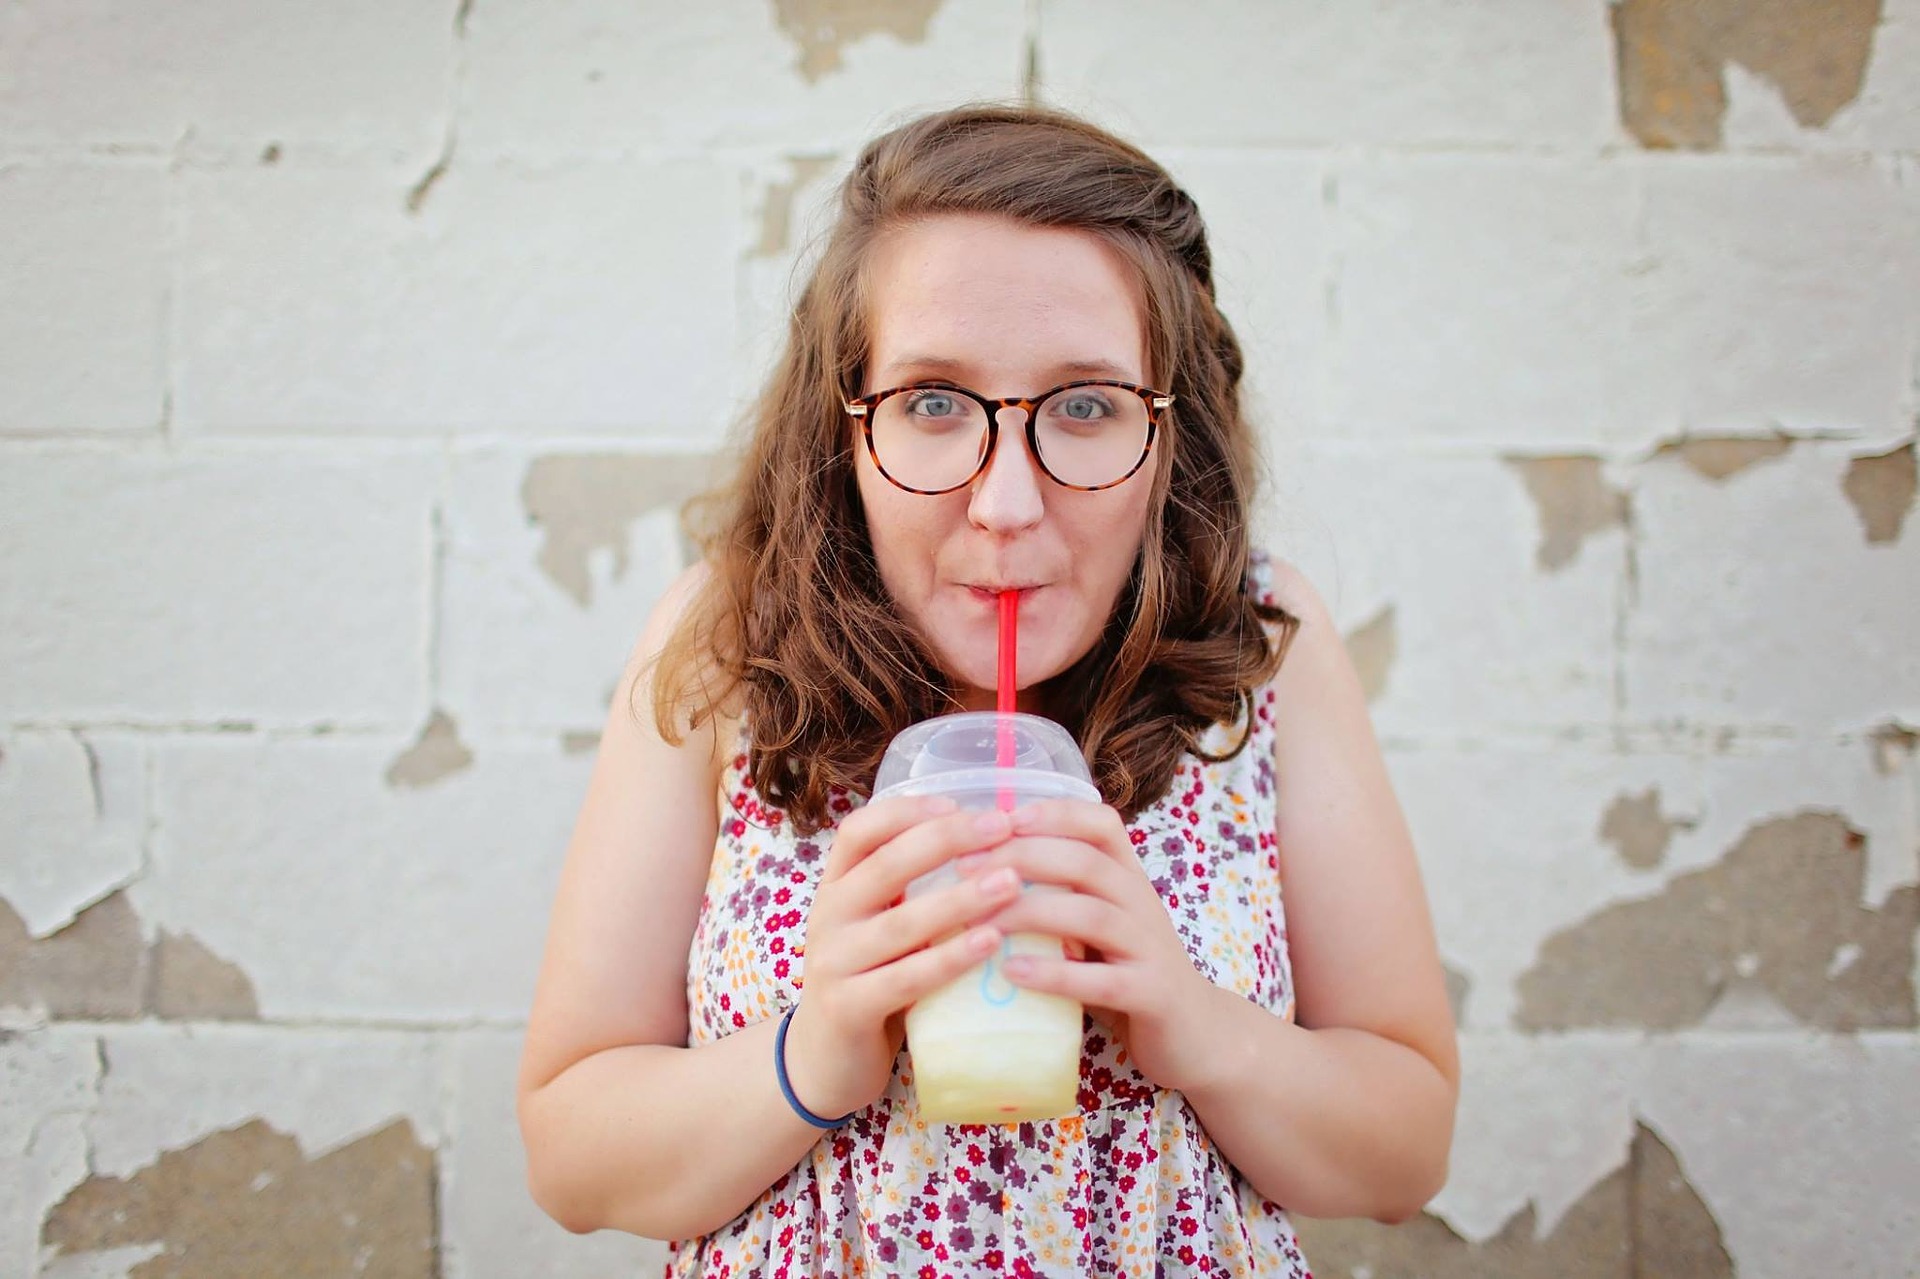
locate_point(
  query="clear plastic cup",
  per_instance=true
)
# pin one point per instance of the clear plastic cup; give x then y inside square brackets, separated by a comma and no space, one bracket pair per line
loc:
[985,1051]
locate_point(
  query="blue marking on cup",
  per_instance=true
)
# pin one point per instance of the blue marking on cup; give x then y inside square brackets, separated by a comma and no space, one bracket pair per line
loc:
[990,971]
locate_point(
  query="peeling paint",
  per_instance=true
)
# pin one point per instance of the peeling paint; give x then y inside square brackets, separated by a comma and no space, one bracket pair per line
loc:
[823,28]
[437,755]
[586,502]
[776,214]
[1645,1218]
[1881,488]
[1721,457]
[1764,920]
[1671,58]
[1635,827]
[72,819]
[1459,986]
[1574,501]
[190,982]
[1373,647]
[1894,746]
[245,1202]
[95,967]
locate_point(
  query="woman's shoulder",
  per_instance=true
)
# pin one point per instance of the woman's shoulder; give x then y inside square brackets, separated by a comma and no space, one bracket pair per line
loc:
[1278,583]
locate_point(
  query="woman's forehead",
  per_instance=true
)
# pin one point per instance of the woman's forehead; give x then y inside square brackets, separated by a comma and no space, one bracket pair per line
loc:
[960,297]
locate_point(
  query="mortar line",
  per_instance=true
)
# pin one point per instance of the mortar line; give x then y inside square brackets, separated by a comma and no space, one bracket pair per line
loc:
[1030,68]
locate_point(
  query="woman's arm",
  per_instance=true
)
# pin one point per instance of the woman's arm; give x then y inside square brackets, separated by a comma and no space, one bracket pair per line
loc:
[1349,1112]
[625,1126]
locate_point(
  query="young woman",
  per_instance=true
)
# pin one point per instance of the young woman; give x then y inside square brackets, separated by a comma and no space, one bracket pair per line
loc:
[1007,372]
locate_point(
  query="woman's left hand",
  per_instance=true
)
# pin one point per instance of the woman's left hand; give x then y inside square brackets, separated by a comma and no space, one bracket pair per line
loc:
[1132,964]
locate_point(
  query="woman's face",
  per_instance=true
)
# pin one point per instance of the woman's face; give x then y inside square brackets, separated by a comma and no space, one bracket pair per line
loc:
[1004,309]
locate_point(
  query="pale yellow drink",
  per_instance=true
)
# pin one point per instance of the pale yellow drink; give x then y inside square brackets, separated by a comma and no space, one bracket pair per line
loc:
[984,1050]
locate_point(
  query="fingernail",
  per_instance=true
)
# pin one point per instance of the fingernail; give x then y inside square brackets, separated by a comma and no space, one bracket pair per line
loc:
[968,863]
[1001,881]
[1017,966]
[982,940]
[990,823]
[1024,819]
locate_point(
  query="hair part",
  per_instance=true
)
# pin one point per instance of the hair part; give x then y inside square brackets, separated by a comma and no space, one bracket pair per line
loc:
[794,630]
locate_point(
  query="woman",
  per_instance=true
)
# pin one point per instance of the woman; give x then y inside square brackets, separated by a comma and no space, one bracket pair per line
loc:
[1006,373]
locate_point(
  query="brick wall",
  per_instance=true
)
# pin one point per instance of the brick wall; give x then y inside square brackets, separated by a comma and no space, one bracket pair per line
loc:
[353,359]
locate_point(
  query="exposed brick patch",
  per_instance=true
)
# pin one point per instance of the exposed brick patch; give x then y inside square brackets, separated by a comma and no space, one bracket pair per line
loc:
[1373,646]
[1780,914]
[94,967]
[101,967]
[190,982]
[1635,827]
[245,1202]
[822,28]
[1645,1218]
[776,214]
[1881,488]
[1671,58]
[437,755]
[1721,457]
[1574,502]
[586,502]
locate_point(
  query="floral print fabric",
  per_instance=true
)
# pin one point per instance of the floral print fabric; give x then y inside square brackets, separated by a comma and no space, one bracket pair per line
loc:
[1131,1185]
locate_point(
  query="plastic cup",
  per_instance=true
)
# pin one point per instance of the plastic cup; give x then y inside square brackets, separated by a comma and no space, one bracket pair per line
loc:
[985,1051]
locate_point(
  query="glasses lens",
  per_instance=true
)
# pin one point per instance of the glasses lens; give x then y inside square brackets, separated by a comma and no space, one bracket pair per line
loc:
[929,438]
[1091,435]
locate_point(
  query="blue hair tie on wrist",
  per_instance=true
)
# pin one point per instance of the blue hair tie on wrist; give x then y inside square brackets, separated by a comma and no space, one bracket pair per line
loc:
[786,1085]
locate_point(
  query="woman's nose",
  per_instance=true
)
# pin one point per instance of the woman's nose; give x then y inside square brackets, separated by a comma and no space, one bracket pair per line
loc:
[1011,493]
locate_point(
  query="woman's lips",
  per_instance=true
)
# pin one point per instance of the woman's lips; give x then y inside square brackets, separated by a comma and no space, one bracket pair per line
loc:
[991,595]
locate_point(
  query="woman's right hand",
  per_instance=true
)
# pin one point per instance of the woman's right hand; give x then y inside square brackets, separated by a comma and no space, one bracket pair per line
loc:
[870,954]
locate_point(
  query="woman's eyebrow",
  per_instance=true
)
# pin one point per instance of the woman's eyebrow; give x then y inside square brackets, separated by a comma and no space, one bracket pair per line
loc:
[1064,371]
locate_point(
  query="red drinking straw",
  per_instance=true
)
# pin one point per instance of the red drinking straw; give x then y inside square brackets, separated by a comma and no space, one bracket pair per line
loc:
[1009,647]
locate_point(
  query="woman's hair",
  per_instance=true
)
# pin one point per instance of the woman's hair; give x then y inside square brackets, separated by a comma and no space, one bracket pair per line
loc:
[794,629]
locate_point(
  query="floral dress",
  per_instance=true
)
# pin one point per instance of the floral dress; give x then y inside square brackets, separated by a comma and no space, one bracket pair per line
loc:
[1131,1185]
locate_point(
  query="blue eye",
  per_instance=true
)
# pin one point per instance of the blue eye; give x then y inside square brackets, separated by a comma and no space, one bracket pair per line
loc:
[933,404]
[1084,406]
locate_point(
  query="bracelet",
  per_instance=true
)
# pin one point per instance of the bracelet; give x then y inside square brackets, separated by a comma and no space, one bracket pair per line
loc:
[786,1085]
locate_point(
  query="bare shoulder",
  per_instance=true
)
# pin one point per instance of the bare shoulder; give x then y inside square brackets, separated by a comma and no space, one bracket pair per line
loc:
[671,609]
[1294,591]
[1315,641]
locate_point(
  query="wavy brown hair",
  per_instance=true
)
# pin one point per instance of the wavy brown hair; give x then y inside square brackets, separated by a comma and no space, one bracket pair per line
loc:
[794,630]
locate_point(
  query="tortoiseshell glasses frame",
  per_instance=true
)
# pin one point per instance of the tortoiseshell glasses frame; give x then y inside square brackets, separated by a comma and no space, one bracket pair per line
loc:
[865,408]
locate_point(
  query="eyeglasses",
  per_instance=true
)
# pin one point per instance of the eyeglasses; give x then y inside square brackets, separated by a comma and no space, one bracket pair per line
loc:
[933,438]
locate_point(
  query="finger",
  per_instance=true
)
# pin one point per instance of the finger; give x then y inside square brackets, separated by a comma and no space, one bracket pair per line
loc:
[885,873]
[1096,985]
[871,827]
[905,981]
[1097,824]
[1069,863]
[924,919]
[1071,916]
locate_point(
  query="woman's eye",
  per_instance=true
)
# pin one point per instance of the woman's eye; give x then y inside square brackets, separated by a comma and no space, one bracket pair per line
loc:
[1085,408]
[933,404]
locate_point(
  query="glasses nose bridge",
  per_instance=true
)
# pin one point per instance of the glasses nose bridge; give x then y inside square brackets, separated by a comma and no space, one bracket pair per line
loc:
[990,446]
